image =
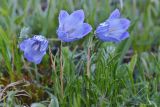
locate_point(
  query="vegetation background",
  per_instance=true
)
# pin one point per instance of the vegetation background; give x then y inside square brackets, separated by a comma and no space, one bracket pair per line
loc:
[126,74]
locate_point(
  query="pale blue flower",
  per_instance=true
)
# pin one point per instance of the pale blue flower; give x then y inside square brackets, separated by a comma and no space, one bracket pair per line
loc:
[114,29]
[34,48]
[72,27]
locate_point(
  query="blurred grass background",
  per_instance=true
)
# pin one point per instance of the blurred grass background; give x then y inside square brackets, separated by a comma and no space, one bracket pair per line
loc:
[122,75]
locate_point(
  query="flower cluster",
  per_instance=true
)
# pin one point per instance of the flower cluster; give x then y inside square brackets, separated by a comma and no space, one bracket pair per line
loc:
[72,28]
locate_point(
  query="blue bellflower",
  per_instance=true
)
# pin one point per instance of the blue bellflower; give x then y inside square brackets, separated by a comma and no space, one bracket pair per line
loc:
[72,27]
[114,29]
[34,48]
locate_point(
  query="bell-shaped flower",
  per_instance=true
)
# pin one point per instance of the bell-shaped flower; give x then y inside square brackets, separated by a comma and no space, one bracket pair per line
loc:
[34,48]
[114,29]
[72,27]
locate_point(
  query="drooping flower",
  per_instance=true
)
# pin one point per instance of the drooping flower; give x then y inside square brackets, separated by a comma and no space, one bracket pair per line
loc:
[72,27]
[34,48]
[114,29]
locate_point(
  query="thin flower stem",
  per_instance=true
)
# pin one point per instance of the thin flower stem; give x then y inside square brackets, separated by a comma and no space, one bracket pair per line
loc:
[36,73]
[89,57]
[88,61]
[88,69]
[61,70]
[51,59]
[88,73]
[53,39]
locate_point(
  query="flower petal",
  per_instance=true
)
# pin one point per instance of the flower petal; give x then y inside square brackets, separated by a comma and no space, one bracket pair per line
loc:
[125,23]
[115,14]
[24,45]
[106,37]
[64,36]
[81,31]
[44,46]
[76,18]
[124,36]
[65,39]
[43,42]
[118,26]
[102,28]
[62,16]
[35,57]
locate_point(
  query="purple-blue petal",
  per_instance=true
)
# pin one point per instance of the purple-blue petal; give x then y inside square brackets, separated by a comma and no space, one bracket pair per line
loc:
[81,30]
[124,35]
[115,14]
[60,33]
[35,57]
[125,23]
[102,28]
[118,26]
[65,39]
[75,19]
[77,16]
[64,36]
[24,45]
[42,42]
[62,16]
[107,38]
[44,46]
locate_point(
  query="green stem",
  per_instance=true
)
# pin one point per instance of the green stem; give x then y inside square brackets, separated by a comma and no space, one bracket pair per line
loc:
[36,73]
[88,62]
[61,70]
[88,69]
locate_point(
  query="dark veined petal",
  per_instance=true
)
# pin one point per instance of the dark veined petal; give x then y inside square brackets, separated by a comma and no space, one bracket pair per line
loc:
[62,16]
[81,30]
[42,42]
[44,46]
[115,14]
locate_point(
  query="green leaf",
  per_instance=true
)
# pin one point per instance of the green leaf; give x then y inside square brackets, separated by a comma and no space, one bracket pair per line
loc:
[133,63]
[54,102]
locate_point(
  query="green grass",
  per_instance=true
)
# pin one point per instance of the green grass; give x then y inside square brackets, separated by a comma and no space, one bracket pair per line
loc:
[126,74]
